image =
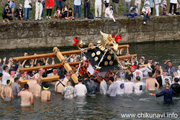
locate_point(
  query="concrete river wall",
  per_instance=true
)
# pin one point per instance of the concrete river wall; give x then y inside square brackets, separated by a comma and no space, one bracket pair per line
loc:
[52,33]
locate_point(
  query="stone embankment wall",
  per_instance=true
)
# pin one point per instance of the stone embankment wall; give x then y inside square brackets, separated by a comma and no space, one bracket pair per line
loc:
[60,33]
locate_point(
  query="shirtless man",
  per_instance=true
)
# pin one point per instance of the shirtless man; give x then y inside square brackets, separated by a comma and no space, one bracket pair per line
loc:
[45,94]
[32,83]
[54,73]
[26,96]
[37,90]
[39,74]
[151,83]
[61,84]
[12,75]
[7,91]
[67,77]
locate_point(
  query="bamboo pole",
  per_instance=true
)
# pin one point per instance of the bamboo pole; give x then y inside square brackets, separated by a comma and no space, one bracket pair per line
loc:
[22,82]
[66,65]
[46,67]
[52,54]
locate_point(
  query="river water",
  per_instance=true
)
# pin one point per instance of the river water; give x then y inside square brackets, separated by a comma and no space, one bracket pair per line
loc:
[99,107]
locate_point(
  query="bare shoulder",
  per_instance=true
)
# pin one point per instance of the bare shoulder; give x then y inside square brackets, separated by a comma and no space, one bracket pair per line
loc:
[30,93]
[57,82]
[20,93]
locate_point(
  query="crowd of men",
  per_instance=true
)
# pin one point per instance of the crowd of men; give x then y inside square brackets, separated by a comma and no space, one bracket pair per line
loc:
[63,12]
[111,83]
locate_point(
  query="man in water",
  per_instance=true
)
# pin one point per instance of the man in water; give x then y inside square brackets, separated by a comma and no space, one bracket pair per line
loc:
[120,84]
[26,96]
[112,91]
[6,75]
[59,86]
[38,75]
[69,91]
[169,68]
[7,91]
[81,89]
[159,78]
[32,83]
[86,79]
[138,86]
[15,87]
[167,93]
[54,73]
[37,89]
[45,94]
[151,83]
[12,76]
[128,85]
[136,73]
[67,77]
[176,87]
[92,87]
[103,86]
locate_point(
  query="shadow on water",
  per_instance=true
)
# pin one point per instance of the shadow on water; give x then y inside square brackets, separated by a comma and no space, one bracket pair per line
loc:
[98,107]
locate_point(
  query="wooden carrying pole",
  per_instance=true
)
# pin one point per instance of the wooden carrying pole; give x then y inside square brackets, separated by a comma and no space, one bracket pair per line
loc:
[71,64]
[45,55]
[33,57]
[22,82]
[127,56]
[46,67]
[52,54]
[66,65]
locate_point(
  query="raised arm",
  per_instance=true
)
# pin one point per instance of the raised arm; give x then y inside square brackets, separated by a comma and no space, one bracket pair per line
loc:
[53,62]
[166,64]
[23,64]
[47,61]
[43,59]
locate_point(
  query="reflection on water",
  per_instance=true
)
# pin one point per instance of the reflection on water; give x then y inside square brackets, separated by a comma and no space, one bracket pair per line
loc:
[99,107]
